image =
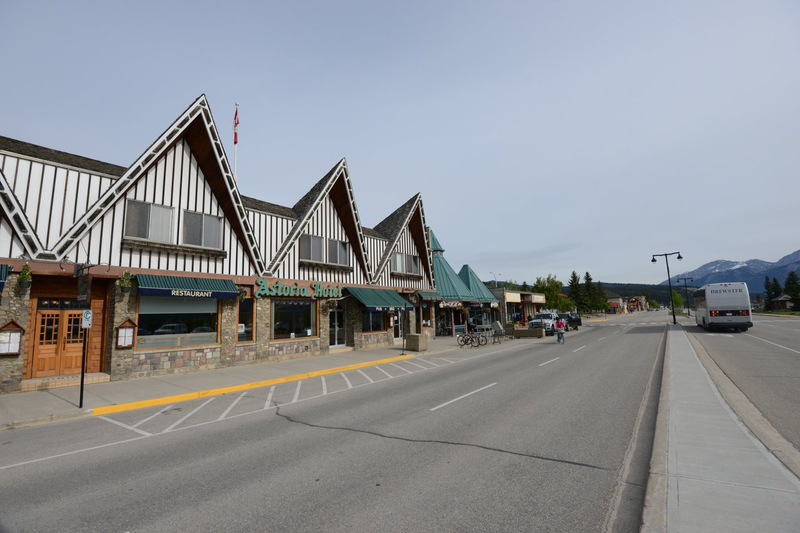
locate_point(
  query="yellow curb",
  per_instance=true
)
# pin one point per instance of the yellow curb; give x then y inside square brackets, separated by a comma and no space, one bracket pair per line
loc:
[225,390]
[601,320]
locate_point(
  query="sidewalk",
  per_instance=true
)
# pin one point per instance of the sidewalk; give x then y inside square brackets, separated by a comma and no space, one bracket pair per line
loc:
[708,471]
[25,408]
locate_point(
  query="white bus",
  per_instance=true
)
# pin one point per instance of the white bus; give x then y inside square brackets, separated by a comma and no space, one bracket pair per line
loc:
[723,306]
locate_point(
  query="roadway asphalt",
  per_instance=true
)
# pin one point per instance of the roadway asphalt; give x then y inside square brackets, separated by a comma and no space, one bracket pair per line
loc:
[709,471]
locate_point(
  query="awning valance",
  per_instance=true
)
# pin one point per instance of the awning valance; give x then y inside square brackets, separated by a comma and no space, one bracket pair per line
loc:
[429,295]
[380,299]
[185,287]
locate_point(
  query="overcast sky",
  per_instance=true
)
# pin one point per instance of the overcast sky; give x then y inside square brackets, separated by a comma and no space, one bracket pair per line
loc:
[545,137]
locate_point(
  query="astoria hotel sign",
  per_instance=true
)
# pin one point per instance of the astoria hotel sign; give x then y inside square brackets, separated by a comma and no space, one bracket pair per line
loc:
[282,289]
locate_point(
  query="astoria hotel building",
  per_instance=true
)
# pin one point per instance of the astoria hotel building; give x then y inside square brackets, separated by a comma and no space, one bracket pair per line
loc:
[183,273]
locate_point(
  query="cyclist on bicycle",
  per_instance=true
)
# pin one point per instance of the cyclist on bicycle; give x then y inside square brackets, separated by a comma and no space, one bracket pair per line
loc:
[560,326]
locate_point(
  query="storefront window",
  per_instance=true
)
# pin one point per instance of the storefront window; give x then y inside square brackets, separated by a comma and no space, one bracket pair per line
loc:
[373,321]
[246,319]
[165,322]
[427,314]
[293,319]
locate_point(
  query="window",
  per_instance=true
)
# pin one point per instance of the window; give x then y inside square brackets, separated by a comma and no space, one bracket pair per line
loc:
[125,337]
[202,230]
[292,319]
[311,248]
[246,322]
[166,321]
[398,265]
[405,263]
[373,321]
[412,264]
[148,221]
[338,252]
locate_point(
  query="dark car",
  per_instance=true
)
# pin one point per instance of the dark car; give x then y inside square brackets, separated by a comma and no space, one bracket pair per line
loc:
[572,320]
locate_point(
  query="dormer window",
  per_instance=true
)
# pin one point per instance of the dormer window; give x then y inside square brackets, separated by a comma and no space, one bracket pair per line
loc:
[338,252]
[312,248]
[148,221]
[202,230]
[405,264]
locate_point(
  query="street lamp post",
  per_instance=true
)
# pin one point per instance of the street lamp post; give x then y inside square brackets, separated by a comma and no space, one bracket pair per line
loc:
[669,280]
[495,279]
[686,292]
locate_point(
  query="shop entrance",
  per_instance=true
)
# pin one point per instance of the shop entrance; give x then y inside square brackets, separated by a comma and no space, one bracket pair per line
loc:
[338,332]
[58,345]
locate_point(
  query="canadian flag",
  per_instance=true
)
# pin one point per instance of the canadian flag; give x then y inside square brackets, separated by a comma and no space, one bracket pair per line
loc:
[236,127]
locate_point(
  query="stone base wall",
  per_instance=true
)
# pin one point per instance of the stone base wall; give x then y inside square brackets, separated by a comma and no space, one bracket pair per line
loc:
[145,365]
[14,305]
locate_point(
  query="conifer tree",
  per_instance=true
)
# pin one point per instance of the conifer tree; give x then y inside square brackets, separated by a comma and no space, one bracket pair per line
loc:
[791,288]
[576,292]
[768,295]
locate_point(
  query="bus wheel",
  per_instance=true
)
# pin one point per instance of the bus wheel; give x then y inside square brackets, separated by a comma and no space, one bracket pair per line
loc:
[705,326]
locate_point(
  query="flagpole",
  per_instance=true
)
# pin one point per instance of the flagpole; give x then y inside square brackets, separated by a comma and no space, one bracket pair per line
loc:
[236,146]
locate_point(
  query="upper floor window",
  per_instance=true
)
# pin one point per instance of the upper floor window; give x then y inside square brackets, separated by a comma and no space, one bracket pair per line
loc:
[338,252]
[202,230]
[311,248]
[148,221]
[405,263]
[412,264]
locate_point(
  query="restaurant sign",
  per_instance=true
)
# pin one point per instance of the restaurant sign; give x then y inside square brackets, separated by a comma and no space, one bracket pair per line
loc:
[314,291]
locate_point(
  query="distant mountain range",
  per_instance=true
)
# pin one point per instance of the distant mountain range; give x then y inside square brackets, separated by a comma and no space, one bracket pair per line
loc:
[752,272]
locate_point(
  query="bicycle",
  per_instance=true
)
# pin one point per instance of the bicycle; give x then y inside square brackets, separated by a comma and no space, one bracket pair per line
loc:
[472,339]
[560,333]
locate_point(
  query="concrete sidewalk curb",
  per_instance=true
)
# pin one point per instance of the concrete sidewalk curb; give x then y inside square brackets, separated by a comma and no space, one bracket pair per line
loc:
[129,406]
[748,413]
[654,514]
[44,420]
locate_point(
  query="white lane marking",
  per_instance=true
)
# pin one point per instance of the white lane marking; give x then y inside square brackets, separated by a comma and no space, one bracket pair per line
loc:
[149,418]
[193,411]
[615,332]
[429,362]
[366,376]
[349,385]
[269,397]
[324,386]
[462,397]
[126,426]
[601,338]
[550,361]
[231,406]
[384,371]
[446,360]
[772,343]
[418,366]
[297,391]
[65,454]
[401,368]
[579,349]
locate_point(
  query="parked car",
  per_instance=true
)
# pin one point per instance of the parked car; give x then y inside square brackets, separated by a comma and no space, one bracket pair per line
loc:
[171,329]
[544,320]
[572,320]
[203,329]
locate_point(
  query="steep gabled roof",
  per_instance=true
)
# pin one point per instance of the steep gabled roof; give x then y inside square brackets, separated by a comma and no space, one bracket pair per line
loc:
[62,158]
[475,285]
[196,126]
[267,207]
[412,216]
[335,185]
[448,285]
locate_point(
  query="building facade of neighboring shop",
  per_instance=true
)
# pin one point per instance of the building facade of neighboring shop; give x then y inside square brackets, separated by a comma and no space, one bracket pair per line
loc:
[216,279]
[464,300]
[517,306]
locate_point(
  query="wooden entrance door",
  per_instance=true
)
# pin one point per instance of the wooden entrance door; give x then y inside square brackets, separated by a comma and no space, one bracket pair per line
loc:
[58,344]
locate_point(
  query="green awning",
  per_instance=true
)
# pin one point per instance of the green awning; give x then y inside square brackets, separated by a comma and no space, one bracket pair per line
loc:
[185,287]
[380,299]
[429,295]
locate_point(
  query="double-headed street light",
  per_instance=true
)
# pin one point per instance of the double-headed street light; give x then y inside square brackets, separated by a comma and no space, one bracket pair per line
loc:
[666,258]
[495,279]
[686,292]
